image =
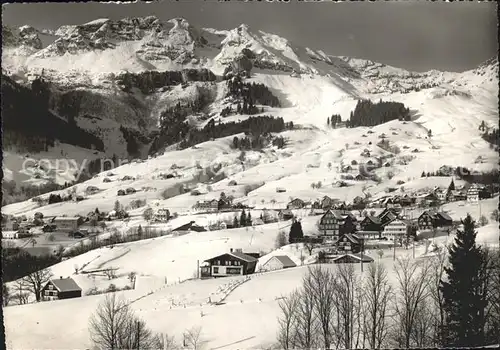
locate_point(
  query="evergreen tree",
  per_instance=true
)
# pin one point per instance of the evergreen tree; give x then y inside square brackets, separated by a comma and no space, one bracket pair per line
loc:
[235,222]
[462,291]
[452,186]
[423,174]
[482,127]
[243,219]
[139,231]
[296,233]
[117,206]
[249,219]
[429,133]
[328,121]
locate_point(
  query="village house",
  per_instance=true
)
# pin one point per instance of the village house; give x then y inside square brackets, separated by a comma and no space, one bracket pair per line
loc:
[229,264]
[429,220]
[280,189]
[285,214]
[352,259]
[457,195]
[278,262]
[61,288]
[161,215]
[370,227]
[442,194]
[396,229]
[327,202]
[69,223]
[349,243]
[473,193]
[211,205]
[329,224]
[296,203]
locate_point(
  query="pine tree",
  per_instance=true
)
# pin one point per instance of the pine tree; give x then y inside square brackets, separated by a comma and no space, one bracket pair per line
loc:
[423,174]
[464,300]
[139,231]
[243,219]
[117,206]
[452,186]
[328,121]
[249,219]
[235,222]
[429,133]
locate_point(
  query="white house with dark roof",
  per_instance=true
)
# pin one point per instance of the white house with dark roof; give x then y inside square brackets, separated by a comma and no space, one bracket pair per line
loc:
[229,264]
[278,262]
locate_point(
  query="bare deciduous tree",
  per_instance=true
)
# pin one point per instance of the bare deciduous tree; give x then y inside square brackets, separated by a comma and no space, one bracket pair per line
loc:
[321,283]
[21,292]
[35,281]
[307,325]
[165,342]
[110,320]
[136,335]
[309,246]
[346,326]
[378,293]
[193,338]
[288,320]
[110,273]
[412,292]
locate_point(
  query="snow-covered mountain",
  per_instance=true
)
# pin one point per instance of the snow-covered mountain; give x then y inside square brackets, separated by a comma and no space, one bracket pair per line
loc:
[99,75]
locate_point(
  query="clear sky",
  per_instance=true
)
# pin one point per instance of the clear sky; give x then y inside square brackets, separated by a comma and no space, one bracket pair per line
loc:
[418,35]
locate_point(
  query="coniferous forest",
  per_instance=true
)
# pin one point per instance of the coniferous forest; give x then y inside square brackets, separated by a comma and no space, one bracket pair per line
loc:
[367,113]
[28,123]
[250,94]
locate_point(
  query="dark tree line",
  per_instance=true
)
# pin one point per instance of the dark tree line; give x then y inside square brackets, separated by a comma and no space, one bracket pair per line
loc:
[257,142]
[485,178]
[367,113]
[334,120]
[18,263]
[26,114]
[13,194]
[493,137]
[149,81]
[255,126]
[134,141]
[250,94]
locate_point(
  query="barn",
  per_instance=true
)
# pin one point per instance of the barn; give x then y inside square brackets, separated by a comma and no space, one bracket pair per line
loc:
[278,262]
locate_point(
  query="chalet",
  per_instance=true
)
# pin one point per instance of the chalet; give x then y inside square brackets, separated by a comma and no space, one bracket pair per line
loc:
[425,221]
[232,183]
[91,190]
[280,189]
[352,259]
[296,203]
[426,198]
[329,224]
[359,177]
[161,215]
[327,202]
[278,262]
[441,219]
[62,288]
[10,224]
[229,264]
[184,228]
[371,223]
[396,229]
[285,214]
[349,243]
[316,205]
[442,195]
[211,205]
[120,193]
[388,214]
[457,195]
[429,220]
[67,223]
[473,193]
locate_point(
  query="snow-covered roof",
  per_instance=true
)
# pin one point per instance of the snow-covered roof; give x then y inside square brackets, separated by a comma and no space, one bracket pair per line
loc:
[284,260]
[65,284]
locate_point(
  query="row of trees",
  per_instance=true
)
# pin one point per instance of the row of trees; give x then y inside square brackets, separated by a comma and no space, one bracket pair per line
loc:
[114,325]
[244,220]
[492,136]
[150,81]
[255,126]
[367,113]
[334,120]
[13,194]
[27,116]
[251,93]
[431,304]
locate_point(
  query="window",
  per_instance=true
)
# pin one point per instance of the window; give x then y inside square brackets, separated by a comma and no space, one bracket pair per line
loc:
[216,270]
[51,287]
[233,270]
